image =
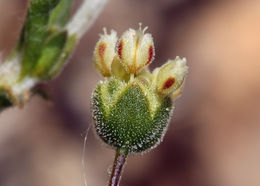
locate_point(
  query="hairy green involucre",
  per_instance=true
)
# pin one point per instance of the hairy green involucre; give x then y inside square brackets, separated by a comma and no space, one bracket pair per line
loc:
[124,120]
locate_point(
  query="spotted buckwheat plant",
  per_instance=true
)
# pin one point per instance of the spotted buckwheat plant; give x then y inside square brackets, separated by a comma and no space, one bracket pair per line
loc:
[132,107]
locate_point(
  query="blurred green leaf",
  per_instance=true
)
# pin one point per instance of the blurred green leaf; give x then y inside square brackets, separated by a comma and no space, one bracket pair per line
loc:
[51,51]
[58,66]
[60,14]
[35,31]
[45,20]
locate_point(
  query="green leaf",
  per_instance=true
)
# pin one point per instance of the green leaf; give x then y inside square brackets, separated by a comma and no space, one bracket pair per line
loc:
[51,51]
[60,14]
[42,6]
[45,18]
[35,31]
[59,64]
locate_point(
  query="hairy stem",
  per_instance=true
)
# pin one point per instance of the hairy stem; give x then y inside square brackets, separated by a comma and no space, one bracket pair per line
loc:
[85,16]
[118,166]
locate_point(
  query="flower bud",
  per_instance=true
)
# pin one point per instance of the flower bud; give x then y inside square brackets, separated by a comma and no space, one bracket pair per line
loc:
[135,49]
[170,77]
[104,52]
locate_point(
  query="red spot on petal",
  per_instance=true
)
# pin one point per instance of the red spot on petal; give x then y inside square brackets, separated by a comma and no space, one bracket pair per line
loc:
[101,50]
[168,83]
[150,55]
[119,49]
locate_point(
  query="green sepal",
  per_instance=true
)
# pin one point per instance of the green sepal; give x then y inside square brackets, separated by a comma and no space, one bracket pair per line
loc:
[51,51]
[126,122]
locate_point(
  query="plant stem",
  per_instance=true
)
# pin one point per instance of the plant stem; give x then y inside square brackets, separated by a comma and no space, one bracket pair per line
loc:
[118,166]
[85,16]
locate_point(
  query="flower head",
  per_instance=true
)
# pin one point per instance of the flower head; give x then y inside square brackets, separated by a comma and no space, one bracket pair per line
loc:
[133,106]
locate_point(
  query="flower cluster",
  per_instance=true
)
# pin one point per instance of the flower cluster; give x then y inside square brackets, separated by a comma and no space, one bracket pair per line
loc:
[131,54]
[133,106]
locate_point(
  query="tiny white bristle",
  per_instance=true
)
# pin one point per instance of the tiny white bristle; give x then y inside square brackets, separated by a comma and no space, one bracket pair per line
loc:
[105,30]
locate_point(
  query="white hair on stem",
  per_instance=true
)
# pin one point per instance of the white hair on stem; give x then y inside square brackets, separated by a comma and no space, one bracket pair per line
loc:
[9,75]
[85,16]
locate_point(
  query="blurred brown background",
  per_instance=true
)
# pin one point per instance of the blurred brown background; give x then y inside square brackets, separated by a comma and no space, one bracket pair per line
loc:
[214,137]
